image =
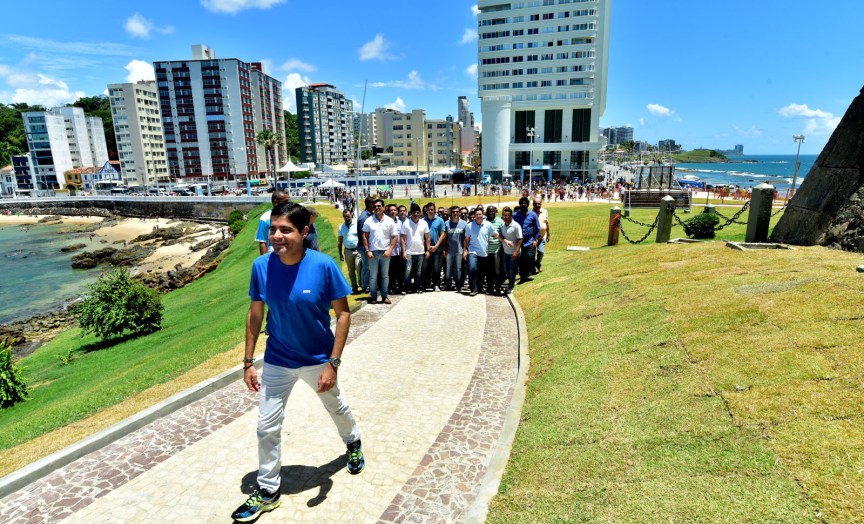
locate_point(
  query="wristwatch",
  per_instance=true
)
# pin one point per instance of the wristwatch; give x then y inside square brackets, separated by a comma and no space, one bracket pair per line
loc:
[335,362]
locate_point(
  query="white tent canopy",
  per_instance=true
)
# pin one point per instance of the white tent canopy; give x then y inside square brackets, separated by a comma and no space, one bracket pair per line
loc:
[331,183]
[290,167]
[443,171]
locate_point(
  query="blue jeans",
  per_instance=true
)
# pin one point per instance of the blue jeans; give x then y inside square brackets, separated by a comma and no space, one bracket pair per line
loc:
[526,261]
[432,270]
[453,270]
[364,268]
[510,269]
[378,263]
[477,271]
[413,266]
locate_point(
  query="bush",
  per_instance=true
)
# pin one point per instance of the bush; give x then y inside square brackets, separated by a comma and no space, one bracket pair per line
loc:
[701,225]
[236,221]
[117,303]
[13,387]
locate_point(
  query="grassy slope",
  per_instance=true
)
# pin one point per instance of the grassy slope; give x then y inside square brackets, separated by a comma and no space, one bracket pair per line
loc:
[694,384]
[201,320]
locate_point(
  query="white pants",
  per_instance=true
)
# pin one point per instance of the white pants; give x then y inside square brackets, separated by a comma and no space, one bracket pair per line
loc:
[276,385]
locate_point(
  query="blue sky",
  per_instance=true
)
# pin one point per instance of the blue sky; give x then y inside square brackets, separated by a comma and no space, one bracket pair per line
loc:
[707,74]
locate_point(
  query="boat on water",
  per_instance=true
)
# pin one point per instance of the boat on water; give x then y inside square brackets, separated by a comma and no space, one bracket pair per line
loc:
[691,181]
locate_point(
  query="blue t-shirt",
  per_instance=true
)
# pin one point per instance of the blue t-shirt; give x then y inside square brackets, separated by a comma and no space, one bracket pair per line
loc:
[530,223]
[263,234]
[436,227]
[361,220]
[298,298]
[479,235]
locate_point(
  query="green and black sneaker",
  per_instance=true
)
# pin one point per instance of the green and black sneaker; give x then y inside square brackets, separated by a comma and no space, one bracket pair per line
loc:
[258,502]
[356,462]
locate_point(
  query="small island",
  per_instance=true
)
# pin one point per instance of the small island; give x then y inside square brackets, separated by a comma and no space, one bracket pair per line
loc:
[700,156]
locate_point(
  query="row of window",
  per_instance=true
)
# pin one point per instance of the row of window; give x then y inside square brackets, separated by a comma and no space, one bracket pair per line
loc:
[591,26]
[537,17]
[532,45]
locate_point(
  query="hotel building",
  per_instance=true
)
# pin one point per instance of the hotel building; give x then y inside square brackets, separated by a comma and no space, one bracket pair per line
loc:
[212,109]
[324,125]
[138,128]
[542,67]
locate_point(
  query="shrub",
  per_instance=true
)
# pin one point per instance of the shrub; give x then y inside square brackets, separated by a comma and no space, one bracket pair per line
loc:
[701,225]
[236,221]
[117,303]
[13,387]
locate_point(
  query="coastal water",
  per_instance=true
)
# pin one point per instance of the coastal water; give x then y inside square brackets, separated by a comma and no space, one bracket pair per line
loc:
[35,276]
[751,170]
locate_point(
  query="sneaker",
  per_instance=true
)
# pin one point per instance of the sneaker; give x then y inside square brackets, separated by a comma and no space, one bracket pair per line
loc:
[473,293]
[387,301]
[437,288]
[356,462]
[509,291]
[371,300]
[258,502]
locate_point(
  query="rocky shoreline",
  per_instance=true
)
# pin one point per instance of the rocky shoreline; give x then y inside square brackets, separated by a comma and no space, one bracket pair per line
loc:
[204,245]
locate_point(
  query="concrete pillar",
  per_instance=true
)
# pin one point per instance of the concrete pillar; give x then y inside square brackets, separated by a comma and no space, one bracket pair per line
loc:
[614,226]
[710,208]
[664,221]
[759,219]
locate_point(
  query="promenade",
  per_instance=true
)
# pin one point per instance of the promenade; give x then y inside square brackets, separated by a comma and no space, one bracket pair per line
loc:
[433,381]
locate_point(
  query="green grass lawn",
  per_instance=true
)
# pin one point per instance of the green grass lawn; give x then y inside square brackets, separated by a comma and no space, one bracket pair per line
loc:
[203,319]
[690,383]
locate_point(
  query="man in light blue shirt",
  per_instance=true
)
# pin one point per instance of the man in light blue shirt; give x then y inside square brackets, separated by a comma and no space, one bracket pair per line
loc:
[477,236]
[261,236]
[348,248]
[437,237]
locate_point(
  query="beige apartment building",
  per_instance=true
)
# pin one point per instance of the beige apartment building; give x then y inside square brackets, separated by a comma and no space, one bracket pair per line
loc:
[138,128]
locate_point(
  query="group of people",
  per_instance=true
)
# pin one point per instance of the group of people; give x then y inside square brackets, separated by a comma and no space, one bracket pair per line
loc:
[390,249]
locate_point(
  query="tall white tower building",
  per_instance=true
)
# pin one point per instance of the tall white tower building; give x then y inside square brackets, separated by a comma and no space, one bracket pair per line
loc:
[542,67]
[138,128]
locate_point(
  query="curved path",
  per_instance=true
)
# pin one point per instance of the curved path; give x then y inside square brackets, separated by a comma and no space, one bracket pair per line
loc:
[431,381]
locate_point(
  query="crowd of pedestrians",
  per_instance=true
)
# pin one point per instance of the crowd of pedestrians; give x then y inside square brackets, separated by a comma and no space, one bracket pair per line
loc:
[398,249]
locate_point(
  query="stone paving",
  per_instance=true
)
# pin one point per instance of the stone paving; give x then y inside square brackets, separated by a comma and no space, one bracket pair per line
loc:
[429,379]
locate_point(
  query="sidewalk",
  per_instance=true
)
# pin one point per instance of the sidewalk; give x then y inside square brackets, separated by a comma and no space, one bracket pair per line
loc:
[430,380]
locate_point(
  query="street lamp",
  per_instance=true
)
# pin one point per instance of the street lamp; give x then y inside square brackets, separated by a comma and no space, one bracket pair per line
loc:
[531,133]
[800,140]
[235,166]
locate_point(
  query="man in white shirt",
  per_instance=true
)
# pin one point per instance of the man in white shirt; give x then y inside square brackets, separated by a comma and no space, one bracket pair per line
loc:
[379,238]
[511,231]
[415,248]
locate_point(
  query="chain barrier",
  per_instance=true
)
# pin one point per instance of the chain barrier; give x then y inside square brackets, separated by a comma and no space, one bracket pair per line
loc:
[734,218]
[678,219]
[782,209]
[731,220]
[651,226]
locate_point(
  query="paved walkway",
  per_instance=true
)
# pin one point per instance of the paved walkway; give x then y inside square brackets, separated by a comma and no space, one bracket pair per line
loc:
[430,380]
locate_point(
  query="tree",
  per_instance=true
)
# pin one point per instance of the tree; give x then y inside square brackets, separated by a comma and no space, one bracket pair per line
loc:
[269,140]
[292,135]
[117,303]
[13,141]
[13,386]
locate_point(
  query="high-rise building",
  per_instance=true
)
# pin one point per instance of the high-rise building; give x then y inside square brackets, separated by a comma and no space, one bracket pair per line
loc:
[618,135]
[212,110]
[138,128]
[48,149]
[324,125]
[542,70]
[444,139]
[466,119]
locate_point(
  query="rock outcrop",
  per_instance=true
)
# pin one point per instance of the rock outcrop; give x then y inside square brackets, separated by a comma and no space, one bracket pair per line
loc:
[827,209]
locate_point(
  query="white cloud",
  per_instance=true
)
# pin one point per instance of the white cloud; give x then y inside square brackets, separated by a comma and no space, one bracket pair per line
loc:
[295,64]
[398,105]
[471,71]
[752,132]
[468,36]
[74,48]
[139,27]
[376,49]
[658,110]
[818,122]
[289,98]
[140,70]
[36,88]
[232,7]
[413,82]
[475,10]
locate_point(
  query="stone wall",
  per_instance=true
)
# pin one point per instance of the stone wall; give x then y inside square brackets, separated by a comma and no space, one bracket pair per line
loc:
[187,208]
[828,208]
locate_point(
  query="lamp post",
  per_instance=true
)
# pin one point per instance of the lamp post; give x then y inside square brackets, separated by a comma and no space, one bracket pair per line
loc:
[234,176]
[531,133]
[800,140]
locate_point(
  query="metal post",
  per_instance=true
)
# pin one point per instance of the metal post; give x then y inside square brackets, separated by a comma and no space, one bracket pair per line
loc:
[664,220]
[759,219]
[800,140]
[614,226]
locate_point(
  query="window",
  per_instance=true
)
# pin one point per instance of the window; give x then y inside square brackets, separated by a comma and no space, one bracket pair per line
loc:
[581,130]
[524,120]
[553,125]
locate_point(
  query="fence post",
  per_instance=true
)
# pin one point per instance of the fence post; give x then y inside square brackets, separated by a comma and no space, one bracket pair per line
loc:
[710,208]
[664,219]
[759,219]
[614,226]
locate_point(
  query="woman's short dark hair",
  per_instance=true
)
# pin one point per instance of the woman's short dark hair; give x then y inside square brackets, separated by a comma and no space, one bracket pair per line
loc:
[295,213]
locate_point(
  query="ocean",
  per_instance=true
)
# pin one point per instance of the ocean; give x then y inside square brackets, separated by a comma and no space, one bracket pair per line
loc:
[751,170]
[36,277]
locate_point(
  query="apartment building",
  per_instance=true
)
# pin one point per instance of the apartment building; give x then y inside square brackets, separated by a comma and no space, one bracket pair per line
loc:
[542,68]
[444,142]
[49,151]
[138,128]
[466,119]
[212,109]
[618,135]
[325,125]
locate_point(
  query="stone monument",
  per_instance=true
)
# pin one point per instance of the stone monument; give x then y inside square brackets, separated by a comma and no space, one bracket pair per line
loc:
[828,209]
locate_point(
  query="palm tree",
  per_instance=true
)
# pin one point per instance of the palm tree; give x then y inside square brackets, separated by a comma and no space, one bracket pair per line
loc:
[269,140]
